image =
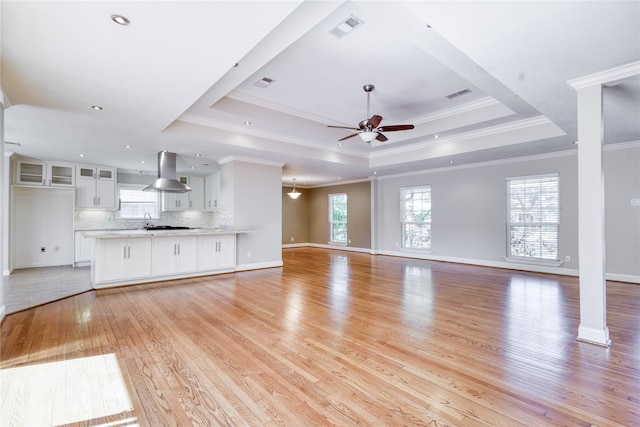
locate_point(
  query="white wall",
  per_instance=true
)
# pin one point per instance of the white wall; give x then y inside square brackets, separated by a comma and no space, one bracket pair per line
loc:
[257,206]
[42,218]
[469,211]
[4,185]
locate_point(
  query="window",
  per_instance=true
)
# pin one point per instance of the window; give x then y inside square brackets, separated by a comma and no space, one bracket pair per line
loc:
[416,217]
[533,217]
[338,218]
[134,202]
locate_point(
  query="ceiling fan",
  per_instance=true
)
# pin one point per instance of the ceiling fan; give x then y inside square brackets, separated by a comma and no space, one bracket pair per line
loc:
[368,128]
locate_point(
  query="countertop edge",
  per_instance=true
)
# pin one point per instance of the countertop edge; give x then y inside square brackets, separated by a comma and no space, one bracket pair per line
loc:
[114,234]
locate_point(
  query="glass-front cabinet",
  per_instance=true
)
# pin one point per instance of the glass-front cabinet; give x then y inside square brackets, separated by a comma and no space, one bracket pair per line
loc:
[45,173]
[96,187]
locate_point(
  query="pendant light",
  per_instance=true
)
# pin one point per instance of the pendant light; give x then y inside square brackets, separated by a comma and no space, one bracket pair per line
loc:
[294,193]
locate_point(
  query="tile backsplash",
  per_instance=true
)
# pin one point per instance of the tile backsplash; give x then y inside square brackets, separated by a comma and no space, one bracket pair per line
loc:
[87,219]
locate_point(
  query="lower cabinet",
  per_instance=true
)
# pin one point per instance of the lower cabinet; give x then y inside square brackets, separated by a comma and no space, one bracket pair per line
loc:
[83,248]
[175,255]
[129,260]
[216,252]
[122,259]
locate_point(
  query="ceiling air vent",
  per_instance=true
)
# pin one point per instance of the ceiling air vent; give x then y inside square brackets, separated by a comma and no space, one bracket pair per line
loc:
[346,26]
[263,82]
[458,93]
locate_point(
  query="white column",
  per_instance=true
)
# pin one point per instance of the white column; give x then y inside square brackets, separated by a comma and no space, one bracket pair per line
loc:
[593,302]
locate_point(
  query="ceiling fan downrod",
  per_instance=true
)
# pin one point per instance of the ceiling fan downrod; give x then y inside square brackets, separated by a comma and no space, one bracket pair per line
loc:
[368,89]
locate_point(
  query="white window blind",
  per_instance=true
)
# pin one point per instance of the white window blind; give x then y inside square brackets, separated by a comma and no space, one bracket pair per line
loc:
[533,205]
[134,202]
[416,217]
[338,218]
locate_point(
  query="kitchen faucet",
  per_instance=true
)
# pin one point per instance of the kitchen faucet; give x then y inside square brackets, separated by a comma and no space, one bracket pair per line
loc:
[145,217]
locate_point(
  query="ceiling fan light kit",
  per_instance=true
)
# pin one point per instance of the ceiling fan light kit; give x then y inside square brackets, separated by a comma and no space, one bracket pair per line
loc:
[368,128]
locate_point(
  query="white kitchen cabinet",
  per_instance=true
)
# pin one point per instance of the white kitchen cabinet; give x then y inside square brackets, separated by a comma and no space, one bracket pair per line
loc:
[211,191]
[39,173]
[83,248]
[122,259]
[193,199]
[196,195]
[95,187]
[174,255]
[216,252]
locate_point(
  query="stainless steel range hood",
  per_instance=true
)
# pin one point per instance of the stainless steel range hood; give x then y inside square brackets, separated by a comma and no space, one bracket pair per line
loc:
[167,181]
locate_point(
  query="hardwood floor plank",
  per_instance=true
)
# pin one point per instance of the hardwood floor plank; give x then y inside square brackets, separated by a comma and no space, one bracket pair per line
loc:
[332,338]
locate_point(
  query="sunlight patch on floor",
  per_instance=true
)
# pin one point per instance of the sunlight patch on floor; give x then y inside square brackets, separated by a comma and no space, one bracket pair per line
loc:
[65,392]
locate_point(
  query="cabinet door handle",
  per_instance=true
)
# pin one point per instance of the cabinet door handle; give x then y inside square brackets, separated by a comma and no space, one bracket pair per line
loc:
[178,248]
[129,252]
[124,255]
[98,201]
[174,249]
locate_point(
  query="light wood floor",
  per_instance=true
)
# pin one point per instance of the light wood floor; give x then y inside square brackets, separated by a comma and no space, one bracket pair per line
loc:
[332,338]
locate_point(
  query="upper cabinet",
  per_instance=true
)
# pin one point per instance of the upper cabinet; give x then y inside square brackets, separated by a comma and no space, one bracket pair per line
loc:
[52,174]
[212,191]
[95,187]
[191,200]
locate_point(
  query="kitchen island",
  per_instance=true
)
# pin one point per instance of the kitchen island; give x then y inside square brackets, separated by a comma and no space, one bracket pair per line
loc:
[127,257]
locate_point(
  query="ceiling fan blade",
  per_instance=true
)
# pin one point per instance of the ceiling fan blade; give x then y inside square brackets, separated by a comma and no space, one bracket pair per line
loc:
[381,137]
[343,127]
[395,127]
[374,121]
[347,137]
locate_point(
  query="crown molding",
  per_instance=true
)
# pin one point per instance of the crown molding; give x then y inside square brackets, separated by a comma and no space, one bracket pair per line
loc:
[493,130]
[456,111]
[254,160]
[612,75]
[247,130]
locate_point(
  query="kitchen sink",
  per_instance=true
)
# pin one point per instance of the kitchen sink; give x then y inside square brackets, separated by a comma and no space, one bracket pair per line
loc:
[166,227]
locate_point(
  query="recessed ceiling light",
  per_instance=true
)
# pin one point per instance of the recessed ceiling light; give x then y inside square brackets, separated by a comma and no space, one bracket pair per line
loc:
[436,136]
[127,146]
[82,155]
[96,107]
[142,161]
[198,155]
[193,167]
[575,142]
[120,20]
[247,123]
[451,162]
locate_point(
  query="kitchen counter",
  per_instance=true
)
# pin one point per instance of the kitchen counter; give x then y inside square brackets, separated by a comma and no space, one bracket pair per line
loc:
[127,257]
[119,234]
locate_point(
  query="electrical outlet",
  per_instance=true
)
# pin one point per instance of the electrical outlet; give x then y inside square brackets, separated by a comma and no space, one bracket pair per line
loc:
[567,259]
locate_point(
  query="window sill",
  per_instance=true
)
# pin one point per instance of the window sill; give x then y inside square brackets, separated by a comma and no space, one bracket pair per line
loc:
[533,261]
[337,243]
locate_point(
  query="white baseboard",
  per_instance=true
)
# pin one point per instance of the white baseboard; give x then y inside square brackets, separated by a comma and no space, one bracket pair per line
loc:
[479,262]
[258,265]
[335,247]
[594,336]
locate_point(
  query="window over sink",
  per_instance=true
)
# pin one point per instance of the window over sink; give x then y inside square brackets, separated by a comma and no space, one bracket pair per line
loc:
[135,203]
